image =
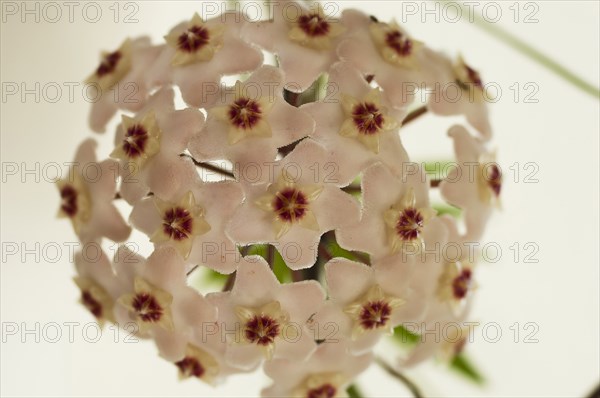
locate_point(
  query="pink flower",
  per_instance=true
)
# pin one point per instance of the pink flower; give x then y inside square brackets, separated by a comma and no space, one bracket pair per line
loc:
[194,223]
[97,283]
[462,92]
[299,205]
[87,197]
[397,62]
[357,125]
[249,122]
[366,302]
[149,144]
[155,294]
[199,53]
[119,79]
[327,373]
[396,214]
[303,38]
[447,283]
[475,183]
[263,319]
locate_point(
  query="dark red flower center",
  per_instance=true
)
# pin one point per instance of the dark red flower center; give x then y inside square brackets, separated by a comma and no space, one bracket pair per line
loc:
[262,330]
[313,25]
[324,391]
[494,178]
[177,223]
[461,284]
[147,308]
[375,314]
[91,304]
[399,42]
[472,79]
[193,39]
[108,64]
[367,118]
[190,367]
[409,224]
[290,204]
[135,141]
[68,194]
[244,113]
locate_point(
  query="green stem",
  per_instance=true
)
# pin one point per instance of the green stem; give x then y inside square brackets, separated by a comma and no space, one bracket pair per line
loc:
[416,392]
[527,50]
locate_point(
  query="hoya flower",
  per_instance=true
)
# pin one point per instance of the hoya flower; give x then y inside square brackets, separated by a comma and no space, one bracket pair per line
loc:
[249,122]
[396,214]
[366,302]
[155,294]
[396,61]
[462,92]
[357,125]
[263,319]
[119,79]
[194,222]
[87,195]
[198,53]
[327,373]
[475,183]
[97,283]
[148,146]
[303,37]
[300,203]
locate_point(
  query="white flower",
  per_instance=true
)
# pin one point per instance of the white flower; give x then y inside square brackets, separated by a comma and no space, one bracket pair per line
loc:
[475,183]
[357,125]
[194,222]
[200,52]
[296,208]
[461,92]
[326,373]
[149,144]
[264,319]
[156,295]
[303,38]
[248,122]
[396,215]
[397,62]
[119,79]
[87,195]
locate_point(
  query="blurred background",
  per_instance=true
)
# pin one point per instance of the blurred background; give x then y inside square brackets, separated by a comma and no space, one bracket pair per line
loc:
[541,291]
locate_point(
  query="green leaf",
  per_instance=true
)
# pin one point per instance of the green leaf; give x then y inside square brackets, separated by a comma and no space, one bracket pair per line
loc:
[405,336]
[213,277]
[447,209]
[335,250]
[280,269]
[462,365]
[354,392]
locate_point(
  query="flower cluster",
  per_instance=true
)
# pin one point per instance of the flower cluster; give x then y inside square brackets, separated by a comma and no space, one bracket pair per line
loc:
[308,144]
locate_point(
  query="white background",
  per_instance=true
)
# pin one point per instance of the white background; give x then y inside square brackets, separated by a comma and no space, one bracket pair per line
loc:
[559,134]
